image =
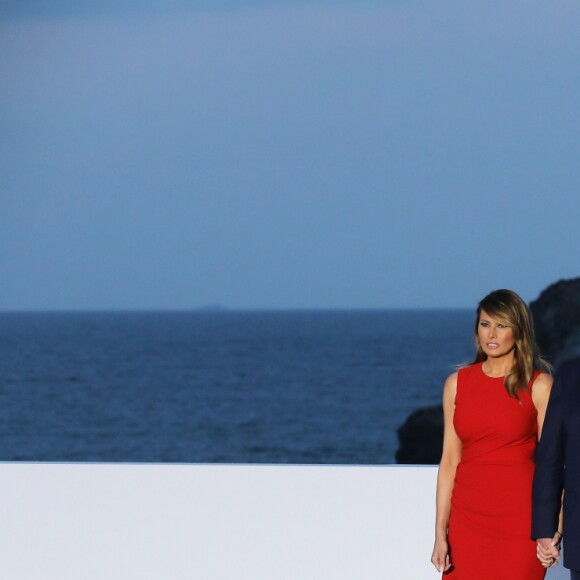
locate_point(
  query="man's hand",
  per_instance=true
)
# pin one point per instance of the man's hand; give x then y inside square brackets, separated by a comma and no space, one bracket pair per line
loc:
[548,550]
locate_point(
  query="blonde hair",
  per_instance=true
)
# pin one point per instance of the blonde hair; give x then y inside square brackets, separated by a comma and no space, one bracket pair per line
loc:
[508,307]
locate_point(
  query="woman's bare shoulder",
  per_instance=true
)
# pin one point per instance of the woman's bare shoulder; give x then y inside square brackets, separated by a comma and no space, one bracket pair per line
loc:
[452,378]
[450,386]
[542,385]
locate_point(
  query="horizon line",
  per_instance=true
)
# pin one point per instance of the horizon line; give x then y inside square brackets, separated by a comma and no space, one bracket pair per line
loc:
[218,309]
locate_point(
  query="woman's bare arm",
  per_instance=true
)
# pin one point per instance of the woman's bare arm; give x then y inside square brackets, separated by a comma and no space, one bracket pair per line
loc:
[449,460]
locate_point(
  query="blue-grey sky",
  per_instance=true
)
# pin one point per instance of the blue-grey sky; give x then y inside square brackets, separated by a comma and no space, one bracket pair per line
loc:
[271,154]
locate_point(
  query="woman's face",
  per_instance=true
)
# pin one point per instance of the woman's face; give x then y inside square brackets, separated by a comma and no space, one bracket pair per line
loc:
[495,337]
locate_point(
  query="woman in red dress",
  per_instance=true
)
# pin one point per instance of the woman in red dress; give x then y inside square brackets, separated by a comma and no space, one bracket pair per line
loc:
[494,410]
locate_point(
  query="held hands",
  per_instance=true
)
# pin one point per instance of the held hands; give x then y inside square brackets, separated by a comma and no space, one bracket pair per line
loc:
[440,558]
[548,550]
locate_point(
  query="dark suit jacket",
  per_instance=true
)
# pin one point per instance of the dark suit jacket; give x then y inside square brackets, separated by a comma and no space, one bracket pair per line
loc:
[558,464]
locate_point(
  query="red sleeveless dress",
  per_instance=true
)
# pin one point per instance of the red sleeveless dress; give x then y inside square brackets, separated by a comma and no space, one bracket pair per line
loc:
[490,519]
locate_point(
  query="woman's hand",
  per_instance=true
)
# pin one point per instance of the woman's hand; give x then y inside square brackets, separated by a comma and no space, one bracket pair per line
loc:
[440,558]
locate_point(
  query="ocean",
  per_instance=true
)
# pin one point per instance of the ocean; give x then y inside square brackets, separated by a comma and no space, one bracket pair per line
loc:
[291,387]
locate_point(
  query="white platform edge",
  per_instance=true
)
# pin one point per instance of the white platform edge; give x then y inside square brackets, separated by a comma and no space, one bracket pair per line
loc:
[216,522]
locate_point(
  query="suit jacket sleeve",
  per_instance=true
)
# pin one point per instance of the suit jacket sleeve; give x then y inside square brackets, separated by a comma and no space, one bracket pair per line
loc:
[549,473]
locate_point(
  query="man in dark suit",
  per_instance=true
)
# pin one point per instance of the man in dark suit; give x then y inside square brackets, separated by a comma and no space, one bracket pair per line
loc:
[557,471]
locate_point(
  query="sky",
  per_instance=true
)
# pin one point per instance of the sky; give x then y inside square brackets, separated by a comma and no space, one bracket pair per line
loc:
[272,154]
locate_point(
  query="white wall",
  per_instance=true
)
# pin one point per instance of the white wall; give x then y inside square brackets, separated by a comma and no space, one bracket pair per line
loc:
[173,522]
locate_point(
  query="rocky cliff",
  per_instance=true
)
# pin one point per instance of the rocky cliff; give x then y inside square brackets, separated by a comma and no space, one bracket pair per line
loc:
[557,320]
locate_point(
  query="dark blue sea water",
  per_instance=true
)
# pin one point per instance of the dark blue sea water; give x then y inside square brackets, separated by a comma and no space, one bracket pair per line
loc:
[239,387]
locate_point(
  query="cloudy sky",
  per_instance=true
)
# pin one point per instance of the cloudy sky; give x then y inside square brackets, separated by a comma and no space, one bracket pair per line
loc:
[271,154]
